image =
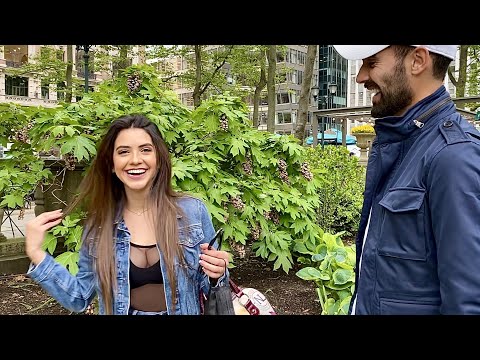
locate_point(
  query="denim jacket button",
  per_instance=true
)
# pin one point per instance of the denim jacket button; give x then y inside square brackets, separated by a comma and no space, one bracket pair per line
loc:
[448,123]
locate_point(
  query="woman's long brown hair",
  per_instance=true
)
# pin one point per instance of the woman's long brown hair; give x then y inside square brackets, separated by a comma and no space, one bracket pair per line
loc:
[102,195]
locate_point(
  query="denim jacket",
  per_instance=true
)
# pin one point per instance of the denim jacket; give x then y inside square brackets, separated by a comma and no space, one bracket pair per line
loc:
[76,292]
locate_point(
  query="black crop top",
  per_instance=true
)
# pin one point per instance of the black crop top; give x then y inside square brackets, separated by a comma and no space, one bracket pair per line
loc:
[140,276]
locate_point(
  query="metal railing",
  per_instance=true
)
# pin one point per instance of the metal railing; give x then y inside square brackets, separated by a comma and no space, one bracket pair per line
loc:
[14,64]
[16,90]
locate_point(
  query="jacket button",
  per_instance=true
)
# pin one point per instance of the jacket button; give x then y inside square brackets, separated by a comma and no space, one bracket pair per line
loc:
[448,123]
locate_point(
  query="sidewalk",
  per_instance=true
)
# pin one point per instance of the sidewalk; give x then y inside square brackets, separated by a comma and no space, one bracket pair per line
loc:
[10,230]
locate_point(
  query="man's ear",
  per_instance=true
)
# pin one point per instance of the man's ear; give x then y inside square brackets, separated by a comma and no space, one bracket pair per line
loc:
[420,60]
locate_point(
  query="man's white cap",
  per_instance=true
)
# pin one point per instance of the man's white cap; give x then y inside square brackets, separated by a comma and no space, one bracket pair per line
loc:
[359,52]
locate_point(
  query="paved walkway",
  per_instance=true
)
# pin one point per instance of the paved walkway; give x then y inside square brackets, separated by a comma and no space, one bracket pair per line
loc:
[10,230]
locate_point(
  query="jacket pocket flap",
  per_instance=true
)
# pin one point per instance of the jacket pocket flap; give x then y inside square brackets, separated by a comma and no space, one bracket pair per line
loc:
[403,199]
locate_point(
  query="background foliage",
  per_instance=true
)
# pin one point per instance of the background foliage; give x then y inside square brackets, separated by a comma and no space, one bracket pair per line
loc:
[255,184]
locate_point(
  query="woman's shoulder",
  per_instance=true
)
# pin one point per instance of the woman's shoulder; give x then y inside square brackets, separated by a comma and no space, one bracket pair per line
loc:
[191,205]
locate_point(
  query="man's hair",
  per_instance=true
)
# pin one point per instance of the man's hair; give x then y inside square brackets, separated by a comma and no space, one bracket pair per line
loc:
[440,62]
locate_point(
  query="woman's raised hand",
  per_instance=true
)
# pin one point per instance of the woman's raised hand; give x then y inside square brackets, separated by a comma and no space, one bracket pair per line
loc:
[35,233]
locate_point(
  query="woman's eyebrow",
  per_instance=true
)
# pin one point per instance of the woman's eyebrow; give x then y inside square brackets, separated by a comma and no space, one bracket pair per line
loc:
[128,147]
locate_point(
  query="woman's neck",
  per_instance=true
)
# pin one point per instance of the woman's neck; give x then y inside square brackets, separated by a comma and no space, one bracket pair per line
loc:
[136,201]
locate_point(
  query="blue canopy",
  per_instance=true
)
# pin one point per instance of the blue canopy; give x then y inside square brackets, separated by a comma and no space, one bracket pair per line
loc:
[332,136]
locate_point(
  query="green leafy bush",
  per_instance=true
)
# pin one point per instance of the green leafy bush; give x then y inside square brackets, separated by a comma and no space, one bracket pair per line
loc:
[22,170]
[331,269]
[341,189]
[256,185]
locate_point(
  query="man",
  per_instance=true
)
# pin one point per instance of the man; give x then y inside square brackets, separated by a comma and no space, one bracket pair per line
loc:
[418,245]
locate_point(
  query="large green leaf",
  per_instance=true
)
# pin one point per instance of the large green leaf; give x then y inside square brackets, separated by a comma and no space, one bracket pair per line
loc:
[309,273]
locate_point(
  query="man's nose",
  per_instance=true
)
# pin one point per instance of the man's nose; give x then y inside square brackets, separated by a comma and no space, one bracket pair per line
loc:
[362,76]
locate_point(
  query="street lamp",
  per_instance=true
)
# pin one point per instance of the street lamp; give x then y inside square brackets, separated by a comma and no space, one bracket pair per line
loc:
[315,91]
[86,49]
[332,89]
[326,100]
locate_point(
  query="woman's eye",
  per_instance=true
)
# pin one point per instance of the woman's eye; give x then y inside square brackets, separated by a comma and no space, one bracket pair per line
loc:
[121,152]
[146,150]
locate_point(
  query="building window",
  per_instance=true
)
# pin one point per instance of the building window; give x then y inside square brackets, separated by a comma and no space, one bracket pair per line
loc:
[296,77]
[299,77]
[284,118]
[282,98]
[301,58]
[263,118]
[45,90]
[61,90]
[16,85]
[282,75]
[61,55]
[263,100]
[294,96]
[293,56]
[186,98]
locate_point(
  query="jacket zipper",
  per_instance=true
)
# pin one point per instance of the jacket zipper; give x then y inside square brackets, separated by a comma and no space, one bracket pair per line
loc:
[419,121]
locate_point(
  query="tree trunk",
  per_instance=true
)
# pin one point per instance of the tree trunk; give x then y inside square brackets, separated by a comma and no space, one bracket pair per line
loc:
[305,93]
[68,75]
[198,77]
[124,63]
[460,83]
[462,73]
[272,67]
[142,54]
[258,89]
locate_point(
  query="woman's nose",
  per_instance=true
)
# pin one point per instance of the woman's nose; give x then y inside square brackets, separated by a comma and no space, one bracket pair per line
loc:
[136,158]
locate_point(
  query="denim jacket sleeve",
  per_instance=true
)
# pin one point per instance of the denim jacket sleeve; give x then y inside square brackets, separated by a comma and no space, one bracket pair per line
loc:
[74,292]
[209,233]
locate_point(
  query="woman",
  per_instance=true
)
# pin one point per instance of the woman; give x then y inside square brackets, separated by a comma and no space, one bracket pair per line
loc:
[143,244]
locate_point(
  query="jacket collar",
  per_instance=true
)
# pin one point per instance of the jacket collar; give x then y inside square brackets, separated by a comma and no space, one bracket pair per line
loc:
[396,128]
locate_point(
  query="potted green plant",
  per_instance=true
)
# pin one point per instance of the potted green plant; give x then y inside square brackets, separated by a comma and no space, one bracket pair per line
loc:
[365,134]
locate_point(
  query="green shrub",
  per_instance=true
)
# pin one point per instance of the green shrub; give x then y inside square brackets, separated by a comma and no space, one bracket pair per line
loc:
[332,271]
[256,185]
[341,190]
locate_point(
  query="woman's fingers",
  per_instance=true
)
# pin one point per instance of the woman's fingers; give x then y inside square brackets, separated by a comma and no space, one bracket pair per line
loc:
[36,228]
[49,225]
[214,262]
[46,217]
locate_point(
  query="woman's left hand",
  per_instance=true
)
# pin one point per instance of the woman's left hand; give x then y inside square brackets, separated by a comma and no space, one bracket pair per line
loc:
[213,262]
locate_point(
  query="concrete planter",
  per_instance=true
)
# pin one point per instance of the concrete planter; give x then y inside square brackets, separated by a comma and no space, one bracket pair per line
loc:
[364,140]
[58,195]
[3,238]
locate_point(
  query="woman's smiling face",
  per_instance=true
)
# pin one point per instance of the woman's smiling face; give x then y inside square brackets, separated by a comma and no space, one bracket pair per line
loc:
[135,159]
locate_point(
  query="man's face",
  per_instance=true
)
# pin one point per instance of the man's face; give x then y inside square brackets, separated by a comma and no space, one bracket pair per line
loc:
[385,76]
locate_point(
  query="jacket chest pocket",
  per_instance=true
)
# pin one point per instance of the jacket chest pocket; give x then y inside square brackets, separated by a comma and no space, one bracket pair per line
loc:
[190,237]
[402,232]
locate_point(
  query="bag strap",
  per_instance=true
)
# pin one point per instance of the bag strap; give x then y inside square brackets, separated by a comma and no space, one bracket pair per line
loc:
[251,308]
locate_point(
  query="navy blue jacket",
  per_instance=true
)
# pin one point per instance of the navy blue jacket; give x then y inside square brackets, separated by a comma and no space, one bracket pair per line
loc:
[422,252]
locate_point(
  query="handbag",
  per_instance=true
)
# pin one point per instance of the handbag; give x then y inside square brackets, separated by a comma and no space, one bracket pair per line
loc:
[232,299]
[218,302]
[249,301]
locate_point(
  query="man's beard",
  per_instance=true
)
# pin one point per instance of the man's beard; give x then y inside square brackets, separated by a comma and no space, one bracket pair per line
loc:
[396,95]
